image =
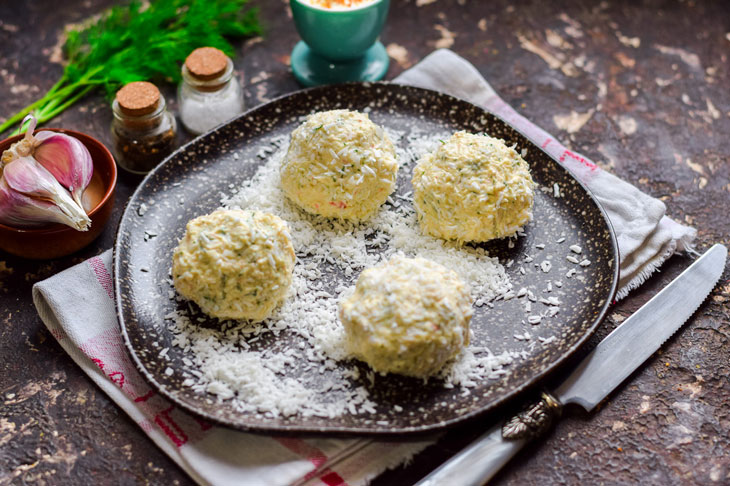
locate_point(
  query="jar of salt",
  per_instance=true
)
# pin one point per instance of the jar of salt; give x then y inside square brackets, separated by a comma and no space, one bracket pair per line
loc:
[143,131]
[209,93]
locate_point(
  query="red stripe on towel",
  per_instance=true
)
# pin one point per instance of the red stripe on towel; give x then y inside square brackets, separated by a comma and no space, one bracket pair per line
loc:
[177,436]
[58,333]
[145,397]
[316,457]
[333,479]
[301,448]
[102,275]
[580,159]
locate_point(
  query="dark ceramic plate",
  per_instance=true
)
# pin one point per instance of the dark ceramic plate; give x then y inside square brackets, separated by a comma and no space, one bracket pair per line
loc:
[191,181]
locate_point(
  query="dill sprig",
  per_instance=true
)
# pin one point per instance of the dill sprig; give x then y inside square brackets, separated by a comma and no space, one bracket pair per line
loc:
[139,43]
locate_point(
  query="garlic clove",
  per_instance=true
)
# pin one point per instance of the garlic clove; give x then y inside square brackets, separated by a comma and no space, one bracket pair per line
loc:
[20,211]
[67,159]
[27,177]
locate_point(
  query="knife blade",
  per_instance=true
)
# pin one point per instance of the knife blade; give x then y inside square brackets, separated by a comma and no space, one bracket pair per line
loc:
[599,373]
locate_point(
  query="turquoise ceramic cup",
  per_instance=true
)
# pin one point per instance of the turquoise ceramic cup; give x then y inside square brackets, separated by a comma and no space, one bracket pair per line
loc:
[339,44]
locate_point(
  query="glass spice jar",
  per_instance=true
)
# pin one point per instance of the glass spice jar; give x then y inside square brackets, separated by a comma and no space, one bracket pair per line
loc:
[143,131]
[209,93]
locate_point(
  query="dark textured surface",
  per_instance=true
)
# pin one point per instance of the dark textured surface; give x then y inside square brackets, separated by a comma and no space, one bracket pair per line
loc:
[203,170]
[653,75]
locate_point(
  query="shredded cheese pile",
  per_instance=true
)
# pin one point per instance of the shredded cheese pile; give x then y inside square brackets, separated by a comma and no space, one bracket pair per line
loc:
[314,377]
[473,188]
[234,264]
[339,164]
[407,316]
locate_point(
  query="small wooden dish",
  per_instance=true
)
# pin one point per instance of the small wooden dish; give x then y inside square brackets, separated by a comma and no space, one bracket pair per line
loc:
[57,240]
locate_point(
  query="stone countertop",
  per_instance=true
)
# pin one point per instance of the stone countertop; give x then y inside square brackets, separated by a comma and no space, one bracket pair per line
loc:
[640,87]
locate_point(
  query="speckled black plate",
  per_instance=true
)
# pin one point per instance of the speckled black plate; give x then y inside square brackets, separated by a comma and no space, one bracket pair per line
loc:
[191,181]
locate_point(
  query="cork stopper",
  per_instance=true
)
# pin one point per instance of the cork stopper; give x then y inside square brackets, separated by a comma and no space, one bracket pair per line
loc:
[206,63]
[138,98]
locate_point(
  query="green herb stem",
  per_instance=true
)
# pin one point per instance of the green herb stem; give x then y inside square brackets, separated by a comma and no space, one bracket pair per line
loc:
[63,95]
[21,114]
[49,103]
[53,96]
[133,42]
[52,111]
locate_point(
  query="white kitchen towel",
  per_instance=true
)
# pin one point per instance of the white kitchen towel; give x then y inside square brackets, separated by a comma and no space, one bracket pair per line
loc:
[646,236]
[77,306]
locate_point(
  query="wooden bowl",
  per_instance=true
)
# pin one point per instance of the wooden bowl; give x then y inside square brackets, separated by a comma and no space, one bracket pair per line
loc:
[57,240]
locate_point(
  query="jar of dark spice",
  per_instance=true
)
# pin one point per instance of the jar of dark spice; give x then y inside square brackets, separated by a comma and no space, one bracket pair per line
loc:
[143,131]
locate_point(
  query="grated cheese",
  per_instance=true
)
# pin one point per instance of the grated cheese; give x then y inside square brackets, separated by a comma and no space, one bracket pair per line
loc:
[407,316]
[313,377]
[339,164]
[473,188]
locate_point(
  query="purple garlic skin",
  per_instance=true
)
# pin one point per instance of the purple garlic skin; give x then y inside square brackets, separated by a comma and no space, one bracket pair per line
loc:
[33,173]
[67,159]
[28,191]
[20,211]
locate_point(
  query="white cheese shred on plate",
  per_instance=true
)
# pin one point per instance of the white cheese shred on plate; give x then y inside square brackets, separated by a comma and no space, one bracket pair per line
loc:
[314,378]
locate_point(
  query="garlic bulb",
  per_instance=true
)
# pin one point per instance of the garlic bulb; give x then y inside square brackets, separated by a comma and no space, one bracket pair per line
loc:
[62,155]
[31,195]
[32,186]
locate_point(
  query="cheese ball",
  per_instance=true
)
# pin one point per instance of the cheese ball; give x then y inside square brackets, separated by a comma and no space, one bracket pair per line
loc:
[339,165]
[407,316]
[472,188]
[234,264]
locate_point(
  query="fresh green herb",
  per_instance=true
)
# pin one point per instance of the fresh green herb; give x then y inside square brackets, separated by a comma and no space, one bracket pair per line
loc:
[137,42]
[442,142]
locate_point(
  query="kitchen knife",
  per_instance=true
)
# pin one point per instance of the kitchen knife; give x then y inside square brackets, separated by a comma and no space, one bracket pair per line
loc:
[606,367]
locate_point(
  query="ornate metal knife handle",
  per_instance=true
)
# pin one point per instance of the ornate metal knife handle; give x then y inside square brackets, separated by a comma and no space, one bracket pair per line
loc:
[479,461]
[534,420]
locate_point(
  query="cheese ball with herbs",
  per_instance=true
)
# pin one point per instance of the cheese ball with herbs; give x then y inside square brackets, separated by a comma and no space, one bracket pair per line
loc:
[339,165]
[408,316]
[472,188]
[234,264]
